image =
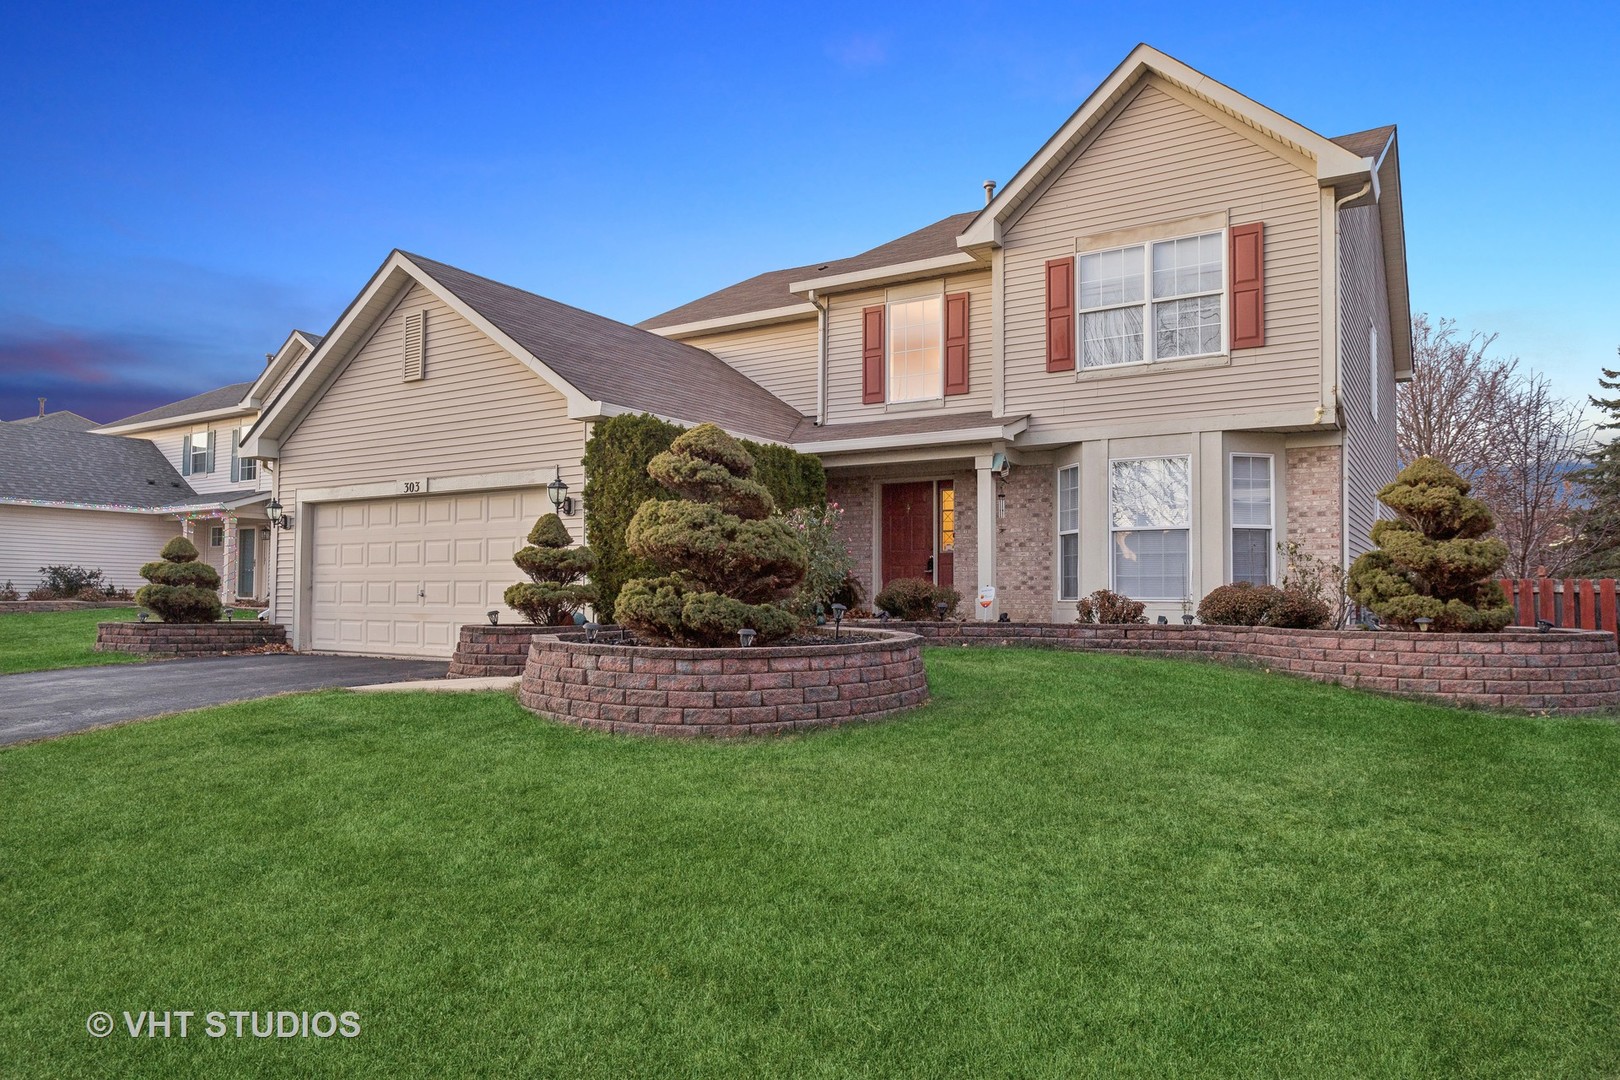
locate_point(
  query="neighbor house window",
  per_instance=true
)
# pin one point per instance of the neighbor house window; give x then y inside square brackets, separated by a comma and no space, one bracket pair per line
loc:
[250,468]
[1128,314]
[216,536]
[1069,533]
[916,365]
[199,451]
[1150,515]
[1251,518]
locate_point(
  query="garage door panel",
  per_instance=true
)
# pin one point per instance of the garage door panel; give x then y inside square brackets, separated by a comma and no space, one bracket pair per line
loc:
[401,576]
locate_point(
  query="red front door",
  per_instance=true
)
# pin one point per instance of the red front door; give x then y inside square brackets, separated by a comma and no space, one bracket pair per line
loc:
[908,531]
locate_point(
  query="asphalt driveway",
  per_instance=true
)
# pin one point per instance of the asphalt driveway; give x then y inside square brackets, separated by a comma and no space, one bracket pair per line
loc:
[40,704]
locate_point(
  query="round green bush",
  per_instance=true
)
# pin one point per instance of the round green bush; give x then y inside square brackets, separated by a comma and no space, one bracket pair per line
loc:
[182,589]
[1241,604]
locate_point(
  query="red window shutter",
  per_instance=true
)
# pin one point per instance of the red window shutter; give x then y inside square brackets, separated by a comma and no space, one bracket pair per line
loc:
[956,343]
[1248,286]
[872,356]
[1060,314]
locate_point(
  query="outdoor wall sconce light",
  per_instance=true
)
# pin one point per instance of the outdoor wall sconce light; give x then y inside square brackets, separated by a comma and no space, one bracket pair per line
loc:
[494,617]
[746,636]
[590,631]
[1542,626]
[279,518]
[557,491]
[838,618]
[1423,623]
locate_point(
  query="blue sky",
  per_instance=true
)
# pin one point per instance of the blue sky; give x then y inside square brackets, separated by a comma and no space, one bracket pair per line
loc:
[184,184]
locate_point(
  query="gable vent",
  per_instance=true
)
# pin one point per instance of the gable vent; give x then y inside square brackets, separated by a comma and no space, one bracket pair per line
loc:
[415,327]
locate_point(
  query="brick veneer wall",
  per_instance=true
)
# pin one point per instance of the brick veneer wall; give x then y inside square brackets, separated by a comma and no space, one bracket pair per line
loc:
[1315,501]
[187,639]
[23,606]
[853,493]
[645,690]
[1027,543]
[483,650]
[1560,672]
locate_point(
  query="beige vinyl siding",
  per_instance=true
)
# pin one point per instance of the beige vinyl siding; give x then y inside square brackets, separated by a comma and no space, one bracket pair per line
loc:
[1163,159]
[844,351]
[116,544]
[783,358]
[1369,459]
[478,411]
[171,440]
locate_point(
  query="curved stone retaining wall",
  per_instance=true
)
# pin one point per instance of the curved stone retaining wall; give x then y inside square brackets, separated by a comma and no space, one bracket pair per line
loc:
[187,639]
[648,690]
[1564,671]
[483,650]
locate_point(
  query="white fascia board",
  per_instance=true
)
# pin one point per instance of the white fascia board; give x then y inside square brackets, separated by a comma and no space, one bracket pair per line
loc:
[602,410]
[884,275]
[1334,163]
[790,313]
[278,364]
[174,421]
[260,449]
[915,439]
[217,504]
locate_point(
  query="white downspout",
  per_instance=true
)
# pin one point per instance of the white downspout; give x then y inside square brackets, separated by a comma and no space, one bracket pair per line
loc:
[823,328]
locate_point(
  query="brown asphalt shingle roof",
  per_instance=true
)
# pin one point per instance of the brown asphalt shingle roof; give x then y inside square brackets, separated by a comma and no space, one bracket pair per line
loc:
[770,290]
[622,365]
[1367,143]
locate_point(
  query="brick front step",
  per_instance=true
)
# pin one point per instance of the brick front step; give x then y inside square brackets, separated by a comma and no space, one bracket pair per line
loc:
[187,639]
[1564,671]
[648,690]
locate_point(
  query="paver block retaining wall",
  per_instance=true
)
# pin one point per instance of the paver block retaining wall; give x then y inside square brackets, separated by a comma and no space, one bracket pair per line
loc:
[24,606]
[187,639]
[483,650]
[1561,671]
[651,690]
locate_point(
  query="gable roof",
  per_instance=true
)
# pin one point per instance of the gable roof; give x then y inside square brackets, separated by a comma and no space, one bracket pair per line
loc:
[220,399]
[61,420]
[770,291]
[53,466]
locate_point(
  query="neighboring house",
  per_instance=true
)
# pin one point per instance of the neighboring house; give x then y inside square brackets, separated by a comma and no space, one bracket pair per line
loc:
[109,497]
[1167,346]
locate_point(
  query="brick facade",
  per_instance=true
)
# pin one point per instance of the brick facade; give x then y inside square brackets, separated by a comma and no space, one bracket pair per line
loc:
[640,690]
[188,639]
[853,493]
[1315,501]
[1569,671]
[1026,538]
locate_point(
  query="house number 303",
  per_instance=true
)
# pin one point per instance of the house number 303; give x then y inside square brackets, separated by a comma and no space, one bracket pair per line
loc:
[412,487]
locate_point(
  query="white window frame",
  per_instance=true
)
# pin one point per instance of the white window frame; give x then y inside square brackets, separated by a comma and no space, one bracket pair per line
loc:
[1063,594]
[1187,527]
[888,351]
[216,536]
[199,445]
[1231,516]
[1149,355]
[247,468]
[1372,367]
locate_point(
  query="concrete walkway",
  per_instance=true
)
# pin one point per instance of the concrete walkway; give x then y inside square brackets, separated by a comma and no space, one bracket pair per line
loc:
[445,686]
[42,704]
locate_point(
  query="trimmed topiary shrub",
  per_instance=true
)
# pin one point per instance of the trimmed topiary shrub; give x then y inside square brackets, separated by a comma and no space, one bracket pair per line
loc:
[730,561]
[617,484]
[1106,606]
[1240,604]
[1431,562]
[917,598]
[554,591]
[182,589]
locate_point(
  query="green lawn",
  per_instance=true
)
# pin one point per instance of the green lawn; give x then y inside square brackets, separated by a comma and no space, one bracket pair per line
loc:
[46,640]
[1066,865]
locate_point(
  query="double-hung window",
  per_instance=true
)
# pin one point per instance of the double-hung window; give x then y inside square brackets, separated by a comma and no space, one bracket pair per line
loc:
[1251,518]
[916,349]
[1163,300]
[1150,516]
[1069,533]
[199,451]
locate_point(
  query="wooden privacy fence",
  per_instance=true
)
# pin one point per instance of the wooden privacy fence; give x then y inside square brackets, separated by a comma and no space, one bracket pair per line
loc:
[1577,603]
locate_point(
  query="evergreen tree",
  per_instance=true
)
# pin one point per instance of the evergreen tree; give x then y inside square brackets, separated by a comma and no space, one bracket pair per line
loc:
[182,589]
[1597,526]
[553,592]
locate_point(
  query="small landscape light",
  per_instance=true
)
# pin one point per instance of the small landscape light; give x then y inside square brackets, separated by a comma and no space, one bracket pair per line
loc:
[1423,622]
[141,616]
[1543,625]
[941,608]
[579,618]
[838,618]
[883,616]
[494,617]
[590,631]
[746,636]
[1186,620]
[230,613]
[1004,617]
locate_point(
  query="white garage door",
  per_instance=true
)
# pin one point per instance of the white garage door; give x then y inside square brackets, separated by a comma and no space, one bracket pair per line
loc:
[398,577]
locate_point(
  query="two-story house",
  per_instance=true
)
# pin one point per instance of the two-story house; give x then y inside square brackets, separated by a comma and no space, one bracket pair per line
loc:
[1167,346]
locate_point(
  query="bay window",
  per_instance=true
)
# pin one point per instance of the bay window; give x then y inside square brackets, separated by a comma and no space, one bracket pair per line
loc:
[1150,519]
[1163,300]
[1252,518]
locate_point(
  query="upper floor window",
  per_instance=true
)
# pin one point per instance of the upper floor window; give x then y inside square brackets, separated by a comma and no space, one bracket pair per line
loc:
[1150,518]
[916,354]
[1252,518]
[199,451]
[1159,301]
[249,468]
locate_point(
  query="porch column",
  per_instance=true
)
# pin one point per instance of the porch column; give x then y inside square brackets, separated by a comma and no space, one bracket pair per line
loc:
[984,518]
[188,528]
[230,558]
